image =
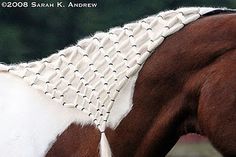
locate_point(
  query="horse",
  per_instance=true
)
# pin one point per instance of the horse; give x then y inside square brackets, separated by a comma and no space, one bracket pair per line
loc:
[187,85]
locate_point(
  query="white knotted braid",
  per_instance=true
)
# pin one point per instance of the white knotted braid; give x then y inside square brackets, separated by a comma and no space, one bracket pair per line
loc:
[90,75]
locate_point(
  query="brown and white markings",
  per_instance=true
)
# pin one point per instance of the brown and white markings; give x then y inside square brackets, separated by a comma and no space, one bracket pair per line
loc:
[187,85]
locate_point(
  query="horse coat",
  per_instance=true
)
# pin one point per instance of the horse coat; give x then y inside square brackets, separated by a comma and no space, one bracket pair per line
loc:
[97,75]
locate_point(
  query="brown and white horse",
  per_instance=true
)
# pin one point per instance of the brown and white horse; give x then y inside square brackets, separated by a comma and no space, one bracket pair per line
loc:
[188,85]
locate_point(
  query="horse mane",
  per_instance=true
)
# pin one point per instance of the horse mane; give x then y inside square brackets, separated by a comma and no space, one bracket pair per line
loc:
[220,11]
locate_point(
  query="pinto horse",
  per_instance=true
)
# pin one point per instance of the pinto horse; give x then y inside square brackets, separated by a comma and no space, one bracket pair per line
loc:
[188,85]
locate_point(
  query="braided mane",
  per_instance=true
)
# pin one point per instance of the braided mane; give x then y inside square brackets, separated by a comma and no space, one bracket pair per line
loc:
[89,75]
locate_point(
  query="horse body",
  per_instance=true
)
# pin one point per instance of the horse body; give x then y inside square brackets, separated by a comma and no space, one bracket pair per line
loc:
[181,88]
[30,122]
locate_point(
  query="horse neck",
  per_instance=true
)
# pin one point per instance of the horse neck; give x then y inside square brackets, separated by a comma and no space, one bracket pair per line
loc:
[161,112]
[167,91]
[165,101]
[158,115]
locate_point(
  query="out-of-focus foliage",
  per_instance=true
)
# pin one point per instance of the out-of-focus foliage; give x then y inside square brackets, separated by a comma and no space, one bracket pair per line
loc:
[33,33]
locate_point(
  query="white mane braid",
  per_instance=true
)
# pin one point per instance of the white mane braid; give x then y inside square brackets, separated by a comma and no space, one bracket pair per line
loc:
[91,75]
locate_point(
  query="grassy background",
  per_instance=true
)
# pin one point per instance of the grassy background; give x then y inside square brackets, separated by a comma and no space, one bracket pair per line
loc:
[32,33]
[199,148]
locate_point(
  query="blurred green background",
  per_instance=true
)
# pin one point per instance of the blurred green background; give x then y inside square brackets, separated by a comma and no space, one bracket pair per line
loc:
[33,33]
